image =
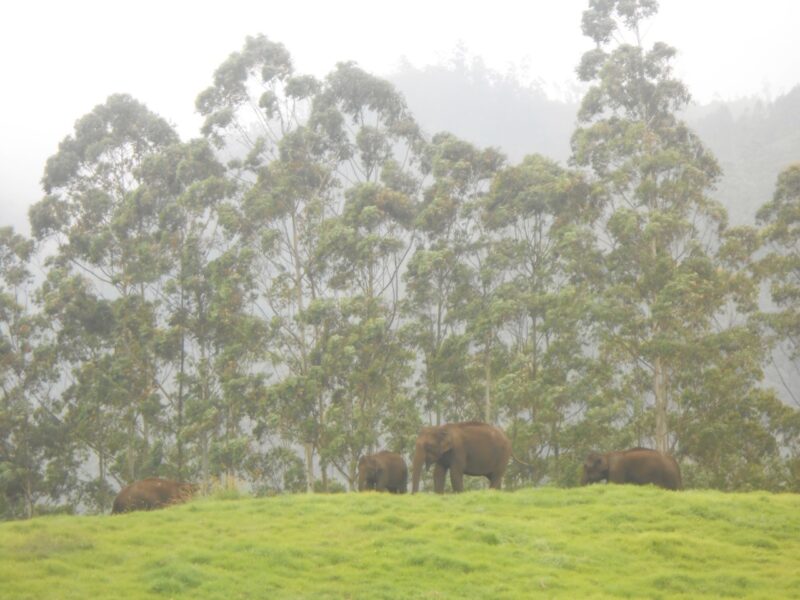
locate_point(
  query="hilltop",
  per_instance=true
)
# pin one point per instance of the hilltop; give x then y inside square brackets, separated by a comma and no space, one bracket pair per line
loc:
[595,542]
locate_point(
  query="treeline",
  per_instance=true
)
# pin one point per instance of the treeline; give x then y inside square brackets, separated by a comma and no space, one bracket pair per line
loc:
[314,279]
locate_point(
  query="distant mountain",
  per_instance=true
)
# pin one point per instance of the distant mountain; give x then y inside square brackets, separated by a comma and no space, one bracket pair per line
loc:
[753,139]
[486,108]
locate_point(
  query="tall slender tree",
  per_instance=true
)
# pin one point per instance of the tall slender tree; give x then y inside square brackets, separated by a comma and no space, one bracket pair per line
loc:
[38,463]
[257,112]
[187,183]
[780,231]
[363,250]
[439,277]
[540,216]
[660,225]
[108,253]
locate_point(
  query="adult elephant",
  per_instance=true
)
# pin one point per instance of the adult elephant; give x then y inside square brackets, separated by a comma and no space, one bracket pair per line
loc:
[383,472]
[151,493]
[637,465]
[470,448]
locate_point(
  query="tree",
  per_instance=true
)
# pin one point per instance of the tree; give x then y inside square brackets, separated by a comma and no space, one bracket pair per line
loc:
[659,225]
[101,285]
[187,182]
[37,452]
[539,216]
[366,124]
[780,266]
[439,277]
[257,111]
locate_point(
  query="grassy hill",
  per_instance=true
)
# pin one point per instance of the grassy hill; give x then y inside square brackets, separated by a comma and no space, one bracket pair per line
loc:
[595,542]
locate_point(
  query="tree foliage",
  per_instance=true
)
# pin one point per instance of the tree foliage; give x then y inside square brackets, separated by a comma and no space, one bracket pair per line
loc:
[316,278]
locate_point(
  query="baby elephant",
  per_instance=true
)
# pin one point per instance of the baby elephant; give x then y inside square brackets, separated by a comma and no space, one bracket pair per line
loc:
[151,493]
[637,465]
[384,471]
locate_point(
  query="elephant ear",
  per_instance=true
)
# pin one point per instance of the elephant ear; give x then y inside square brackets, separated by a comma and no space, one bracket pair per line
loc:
[444,440]
[600,464]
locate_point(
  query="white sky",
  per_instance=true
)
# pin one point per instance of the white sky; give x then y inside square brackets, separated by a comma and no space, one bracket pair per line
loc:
[60,59]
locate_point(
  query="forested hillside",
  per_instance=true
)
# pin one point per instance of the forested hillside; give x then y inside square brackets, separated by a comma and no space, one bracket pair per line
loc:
[319,274]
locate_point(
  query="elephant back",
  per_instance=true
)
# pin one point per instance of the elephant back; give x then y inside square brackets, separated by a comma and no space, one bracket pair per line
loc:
[151,493]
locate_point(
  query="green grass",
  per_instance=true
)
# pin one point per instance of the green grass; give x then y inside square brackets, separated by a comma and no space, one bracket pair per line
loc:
[595,542]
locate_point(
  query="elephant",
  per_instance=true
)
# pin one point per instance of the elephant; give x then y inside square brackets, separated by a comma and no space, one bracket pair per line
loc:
[637,465]
[151,493]
[469,448]
[384,471]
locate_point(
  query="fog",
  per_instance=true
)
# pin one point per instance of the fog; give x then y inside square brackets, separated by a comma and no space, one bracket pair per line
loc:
[60,59]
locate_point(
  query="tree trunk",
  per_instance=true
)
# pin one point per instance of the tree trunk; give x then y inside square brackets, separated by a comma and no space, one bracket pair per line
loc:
[131,448]
[28,497]
[659,377]
[487,373]
[181,371]
[309,467]
[204,463]
[660,391]
[102,474]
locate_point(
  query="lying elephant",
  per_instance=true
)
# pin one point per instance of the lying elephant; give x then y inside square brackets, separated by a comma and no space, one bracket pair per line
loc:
[151,493]
[637,465]
[382,472]
[470,448]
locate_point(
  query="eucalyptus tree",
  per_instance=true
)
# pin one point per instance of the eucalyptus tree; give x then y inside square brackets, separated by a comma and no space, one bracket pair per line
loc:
[256,112]
[38,463]
[322,172]
[106,268]
[91,404]
[439,277]
[539,216]
[780,232]
[779,266]
[367,127]
[188,183]
[659,227]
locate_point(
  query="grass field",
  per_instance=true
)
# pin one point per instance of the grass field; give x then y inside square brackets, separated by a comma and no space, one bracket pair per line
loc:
[595,542]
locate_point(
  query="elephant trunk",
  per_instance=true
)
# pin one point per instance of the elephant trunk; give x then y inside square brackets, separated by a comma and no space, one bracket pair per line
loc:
[419,458]
[584,478]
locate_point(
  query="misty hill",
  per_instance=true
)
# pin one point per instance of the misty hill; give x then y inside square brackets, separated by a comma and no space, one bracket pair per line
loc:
[753,139]
[487,108]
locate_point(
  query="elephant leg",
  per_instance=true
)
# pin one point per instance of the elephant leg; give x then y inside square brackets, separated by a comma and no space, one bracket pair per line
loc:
[495,481]
[402,486]
[439,473]
[457,479]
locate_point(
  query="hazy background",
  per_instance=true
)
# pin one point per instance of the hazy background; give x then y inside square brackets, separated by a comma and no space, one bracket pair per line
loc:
[515,61]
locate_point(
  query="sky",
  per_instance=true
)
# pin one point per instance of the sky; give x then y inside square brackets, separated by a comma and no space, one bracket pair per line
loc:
[60,59]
